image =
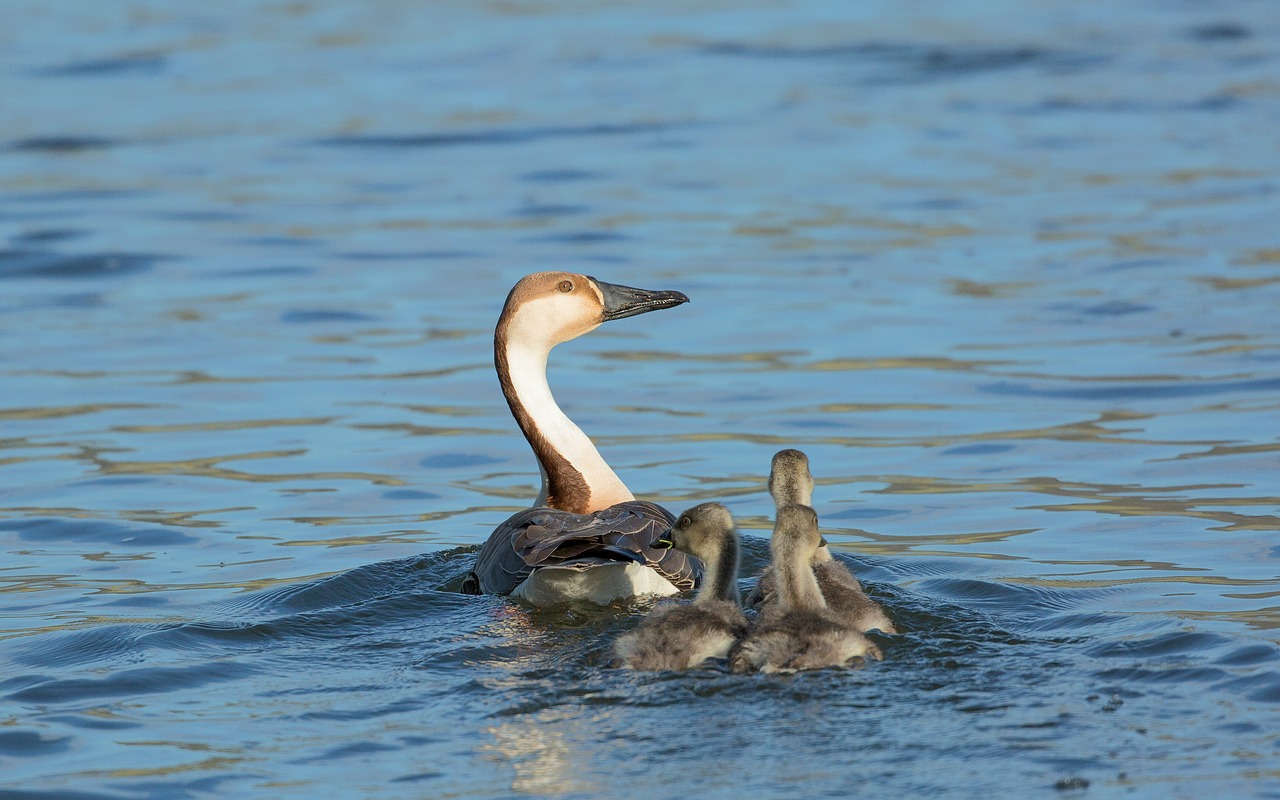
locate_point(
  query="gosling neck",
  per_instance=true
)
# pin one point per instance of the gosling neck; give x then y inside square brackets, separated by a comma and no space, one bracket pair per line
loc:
[798,588]
[575,477]
[720,574]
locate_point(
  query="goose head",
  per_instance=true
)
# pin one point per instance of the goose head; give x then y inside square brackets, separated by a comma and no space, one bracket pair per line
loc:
[796,538]
[704,531]
[547,308]
[790,483]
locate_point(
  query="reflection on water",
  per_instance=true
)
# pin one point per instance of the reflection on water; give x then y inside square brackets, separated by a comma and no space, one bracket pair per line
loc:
[1010,279]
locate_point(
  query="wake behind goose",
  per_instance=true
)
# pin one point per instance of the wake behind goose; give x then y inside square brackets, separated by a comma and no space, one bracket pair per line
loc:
[587,537]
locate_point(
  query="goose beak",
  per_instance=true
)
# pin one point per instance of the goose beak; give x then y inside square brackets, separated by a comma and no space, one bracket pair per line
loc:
[822,541]
[624,301]
[662,543]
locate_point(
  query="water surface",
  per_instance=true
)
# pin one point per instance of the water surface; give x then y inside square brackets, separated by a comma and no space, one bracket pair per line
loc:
[1008,273]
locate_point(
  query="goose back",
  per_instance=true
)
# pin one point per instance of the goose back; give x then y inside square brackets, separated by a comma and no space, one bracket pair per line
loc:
[547,537]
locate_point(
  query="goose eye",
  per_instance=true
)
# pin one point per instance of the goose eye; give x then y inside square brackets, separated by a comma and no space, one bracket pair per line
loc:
[685,522]
[566,286]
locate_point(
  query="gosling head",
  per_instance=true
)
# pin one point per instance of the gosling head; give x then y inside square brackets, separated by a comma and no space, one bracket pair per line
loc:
[554,307]
[795,535]
[703,531]
[789,480]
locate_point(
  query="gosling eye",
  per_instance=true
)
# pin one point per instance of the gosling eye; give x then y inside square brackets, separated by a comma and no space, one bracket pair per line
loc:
[685,522]
[566,286]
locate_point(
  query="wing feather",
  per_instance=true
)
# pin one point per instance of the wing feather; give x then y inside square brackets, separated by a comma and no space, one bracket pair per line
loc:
[540,537]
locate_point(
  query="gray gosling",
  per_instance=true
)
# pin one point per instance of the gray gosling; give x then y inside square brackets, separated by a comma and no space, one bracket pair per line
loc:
[799,631]
[675,636]
[790,483]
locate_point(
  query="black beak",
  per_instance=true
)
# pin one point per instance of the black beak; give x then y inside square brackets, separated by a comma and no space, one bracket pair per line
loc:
[624,301]
[662,543]
[822,541]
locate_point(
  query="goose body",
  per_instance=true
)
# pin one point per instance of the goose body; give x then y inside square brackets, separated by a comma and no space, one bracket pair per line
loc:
[799,631]
[675,636]
[790,483]
[586,537]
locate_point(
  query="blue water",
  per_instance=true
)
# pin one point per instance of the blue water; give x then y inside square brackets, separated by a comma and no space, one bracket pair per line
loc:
[1008,272]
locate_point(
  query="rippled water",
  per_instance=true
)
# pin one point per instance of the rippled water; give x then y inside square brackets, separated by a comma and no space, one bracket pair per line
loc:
[1008,272]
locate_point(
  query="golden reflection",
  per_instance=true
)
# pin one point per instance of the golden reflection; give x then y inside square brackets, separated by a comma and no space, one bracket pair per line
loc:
[1224,284]
[968,288]
[1094,430]
[543,759]
[940,364]
[858,408]
[427,430]
[395,519]
[53,412]
[1121,500]
[771,357]
[178,519]
[1251,258]
[208,468]
[1263,619]
[228,425]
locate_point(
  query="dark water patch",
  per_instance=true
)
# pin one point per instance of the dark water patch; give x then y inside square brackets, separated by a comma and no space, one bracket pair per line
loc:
[550,210]
[38,264]
[48,235]
[74,300]
[203,215]
[24,744]
[1251,654]
[417,777]
[63,144]
[1177,643]
[322,315]
[130,683]
[978,449]
[458,460]
[1115,308]
[279,241]
[62,794]
[408,494]
[1056,105]
[1138,263]
[353,749]
[48,530]
[559,176]
[1220,32]
[91,722]
[432,572]
[267,272]
[143,63]
[362,713]
[1147,390]
[910,62]
[581,237]
[72,196]
[497,136]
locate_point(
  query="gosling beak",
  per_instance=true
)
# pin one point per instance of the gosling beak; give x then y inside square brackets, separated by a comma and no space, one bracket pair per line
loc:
[822,541]
[624,301]
[663,543]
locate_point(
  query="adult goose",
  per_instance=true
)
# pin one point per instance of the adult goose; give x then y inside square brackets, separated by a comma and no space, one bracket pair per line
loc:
[587,537]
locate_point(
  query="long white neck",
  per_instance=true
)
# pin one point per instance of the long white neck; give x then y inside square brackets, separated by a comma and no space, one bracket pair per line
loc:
[575,477]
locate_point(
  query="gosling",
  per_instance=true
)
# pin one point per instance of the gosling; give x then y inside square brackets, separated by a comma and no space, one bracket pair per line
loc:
[790,483]
[799,631]
[675,636]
